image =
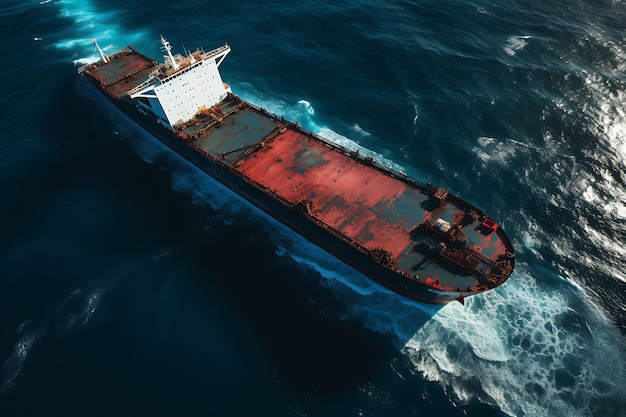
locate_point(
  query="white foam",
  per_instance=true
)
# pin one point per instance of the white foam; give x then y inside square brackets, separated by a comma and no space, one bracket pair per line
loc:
[91,305]
[303,113]
[515,44]
[32,331]
[12,366]
[590,194]
[90,24]
[358,129]
[416,110]
[527,347]
[307,106]
[485,141]
[492,150]
[86,60]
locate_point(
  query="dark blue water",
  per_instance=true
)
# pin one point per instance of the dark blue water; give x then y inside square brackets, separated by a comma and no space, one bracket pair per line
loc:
[131,284]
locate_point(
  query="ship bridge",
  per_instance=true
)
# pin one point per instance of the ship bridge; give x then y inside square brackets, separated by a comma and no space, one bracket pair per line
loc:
[182,85]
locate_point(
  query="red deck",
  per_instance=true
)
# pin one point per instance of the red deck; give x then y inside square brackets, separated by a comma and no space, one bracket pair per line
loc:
[343,191]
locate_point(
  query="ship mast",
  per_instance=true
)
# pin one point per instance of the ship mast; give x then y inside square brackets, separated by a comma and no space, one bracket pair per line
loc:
[168,49]
[104,57]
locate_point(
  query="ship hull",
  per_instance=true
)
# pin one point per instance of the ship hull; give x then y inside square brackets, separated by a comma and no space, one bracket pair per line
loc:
[332,245]
[415,239]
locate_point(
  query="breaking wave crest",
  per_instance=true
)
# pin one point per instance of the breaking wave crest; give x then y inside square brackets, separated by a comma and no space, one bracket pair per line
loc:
[303,113]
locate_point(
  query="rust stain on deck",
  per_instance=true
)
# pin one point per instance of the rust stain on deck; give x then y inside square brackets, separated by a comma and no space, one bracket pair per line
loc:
[344,192]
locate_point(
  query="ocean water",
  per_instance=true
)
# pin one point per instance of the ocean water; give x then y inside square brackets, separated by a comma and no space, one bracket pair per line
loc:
[132,284]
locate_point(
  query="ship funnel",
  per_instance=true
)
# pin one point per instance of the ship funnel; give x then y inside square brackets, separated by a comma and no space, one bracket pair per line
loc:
[168,49]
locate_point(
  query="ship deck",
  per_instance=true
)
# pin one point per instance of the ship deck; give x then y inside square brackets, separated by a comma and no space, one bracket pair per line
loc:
[125,70]
[355,197]
[415,229]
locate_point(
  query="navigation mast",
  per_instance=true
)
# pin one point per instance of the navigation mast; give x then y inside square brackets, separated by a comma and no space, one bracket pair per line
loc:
[168,49]
[102,55]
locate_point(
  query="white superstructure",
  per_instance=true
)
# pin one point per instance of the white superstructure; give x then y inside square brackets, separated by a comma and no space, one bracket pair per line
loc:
[182,85]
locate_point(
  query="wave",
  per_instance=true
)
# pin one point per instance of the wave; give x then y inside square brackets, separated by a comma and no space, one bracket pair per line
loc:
[12,366]
[515,44]
[583,181]
[89,24]
[65,316]
[358,129]
[531,350]
[303,113]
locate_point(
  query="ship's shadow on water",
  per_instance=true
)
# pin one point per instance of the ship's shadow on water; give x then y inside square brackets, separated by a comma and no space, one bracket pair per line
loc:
[321,337]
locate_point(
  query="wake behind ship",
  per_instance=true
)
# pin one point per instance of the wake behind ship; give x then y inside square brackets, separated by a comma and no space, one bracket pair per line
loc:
[415,239]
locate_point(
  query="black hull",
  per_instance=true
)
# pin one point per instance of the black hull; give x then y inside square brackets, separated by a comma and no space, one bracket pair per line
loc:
[334,245]
[417,240]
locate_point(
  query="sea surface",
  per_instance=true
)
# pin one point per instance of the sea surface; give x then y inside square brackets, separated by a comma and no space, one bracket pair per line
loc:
[133,284]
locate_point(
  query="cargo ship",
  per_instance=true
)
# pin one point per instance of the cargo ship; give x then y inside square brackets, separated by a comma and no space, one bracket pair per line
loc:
[413,238]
